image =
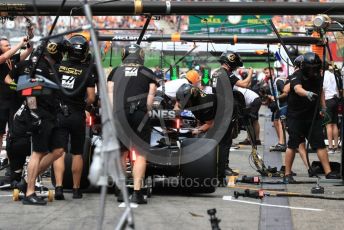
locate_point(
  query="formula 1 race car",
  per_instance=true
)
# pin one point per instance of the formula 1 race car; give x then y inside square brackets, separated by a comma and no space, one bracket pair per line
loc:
[195,172]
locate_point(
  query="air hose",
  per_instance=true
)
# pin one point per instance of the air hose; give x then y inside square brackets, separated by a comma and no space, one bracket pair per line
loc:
[261,193]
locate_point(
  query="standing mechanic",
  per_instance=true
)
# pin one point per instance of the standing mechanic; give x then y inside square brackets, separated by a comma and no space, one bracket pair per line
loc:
[140,88]
[305,86]
[230,61]
[75,75]
[286,90]
[46,140]
[8,59]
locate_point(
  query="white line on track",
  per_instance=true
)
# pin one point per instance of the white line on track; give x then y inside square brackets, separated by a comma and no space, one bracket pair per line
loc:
[132,205]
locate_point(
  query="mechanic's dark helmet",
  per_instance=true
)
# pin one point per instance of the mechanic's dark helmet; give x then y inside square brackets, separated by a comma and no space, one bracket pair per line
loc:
[133,54]
[311,65]
[298,60]
[185,93]
[55,48]
[78,48]
[231,58]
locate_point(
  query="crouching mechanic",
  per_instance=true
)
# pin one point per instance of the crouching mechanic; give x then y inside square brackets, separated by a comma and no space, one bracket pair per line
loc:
[189,96]
[305,88]
[139,86]
[75,75]
[253,103]
[45,133]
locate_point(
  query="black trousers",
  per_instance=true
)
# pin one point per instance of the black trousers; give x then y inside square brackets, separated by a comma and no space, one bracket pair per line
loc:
[223,152]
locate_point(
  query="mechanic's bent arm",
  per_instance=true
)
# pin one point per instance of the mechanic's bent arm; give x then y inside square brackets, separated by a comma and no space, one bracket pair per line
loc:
[177,106]
[151,94]
[8,80]
[203,128]
[300,91]
[110,87]
[26,52]
[8,54]
[207,125]
[322,99]
[91,95]
[286,89]
[247,81]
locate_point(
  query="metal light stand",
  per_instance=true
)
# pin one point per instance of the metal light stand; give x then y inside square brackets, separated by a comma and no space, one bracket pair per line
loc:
[110,147]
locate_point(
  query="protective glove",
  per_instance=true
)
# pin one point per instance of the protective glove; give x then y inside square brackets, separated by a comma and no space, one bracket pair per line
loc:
[36,121]
[311,96]
[13,85]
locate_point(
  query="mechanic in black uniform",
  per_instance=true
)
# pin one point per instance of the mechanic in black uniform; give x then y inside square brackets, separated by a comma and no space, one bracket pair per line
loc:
[74,74]
[286,90]
[189,96]
[43,110]
[8,59]
[230,61]
[18,140]
[305,88]
[140,88]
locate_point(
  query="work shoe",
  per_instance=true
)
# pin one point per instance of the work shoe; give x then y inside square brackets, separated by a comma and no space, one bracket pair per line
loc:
[282,170]
[138,198]
[33,199]
[258,142]
[314,171]
[245,142]
[59,193]
[331,151]
[311,173]
[77,194]
[332,175]
[230,172]
[22,186]
[288,179]
[279,148]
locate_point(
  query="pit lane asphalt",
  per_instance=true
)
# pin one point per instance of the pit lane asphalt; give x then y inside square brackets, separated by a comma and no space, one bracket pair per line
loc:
[168,209]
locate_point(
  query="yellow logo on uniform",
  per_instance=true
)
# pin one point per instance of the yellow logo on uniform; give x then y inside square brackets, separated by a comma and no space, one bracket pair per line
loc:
[231,57]
[52,48]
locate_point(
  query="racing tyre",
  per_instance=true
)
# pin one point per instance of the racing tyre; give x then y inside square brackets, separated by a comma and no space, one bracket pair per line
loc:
[199,176]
